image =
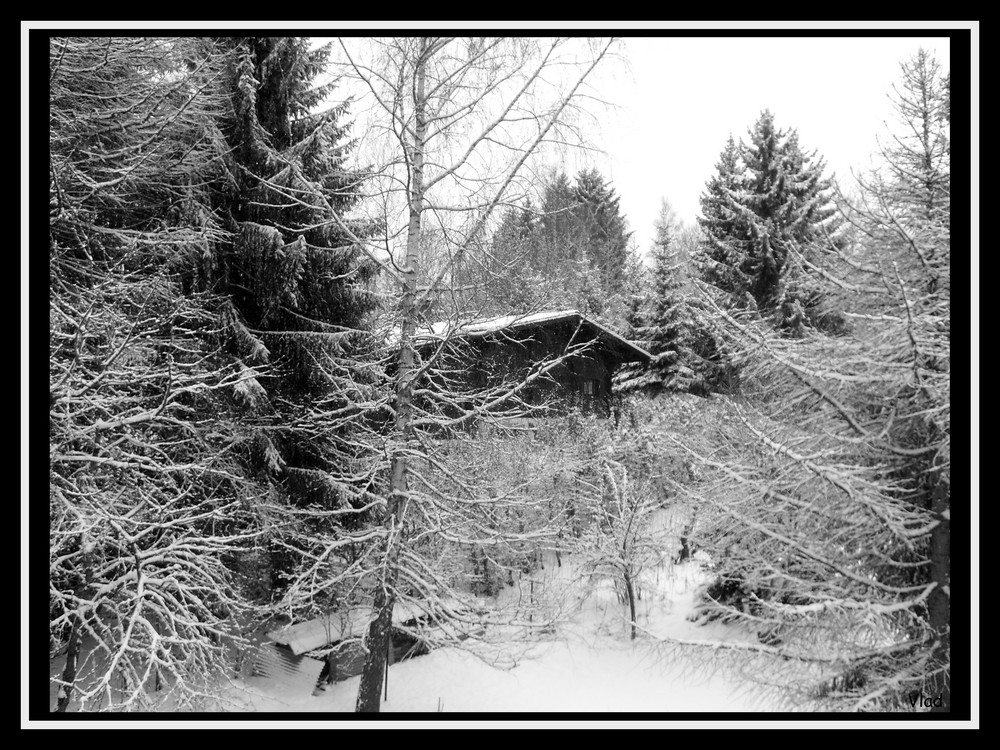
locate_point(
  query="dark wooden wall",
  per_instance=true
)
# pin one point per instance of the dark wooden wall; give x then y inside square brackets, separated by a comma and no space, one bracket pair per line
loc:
[582,382]
[514,356]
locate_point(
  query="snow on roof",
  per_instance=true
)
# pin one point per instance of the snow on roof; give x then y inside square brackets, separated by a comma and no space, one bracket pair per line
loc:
[335,626]
[493,325]
[313,634]
[486,326]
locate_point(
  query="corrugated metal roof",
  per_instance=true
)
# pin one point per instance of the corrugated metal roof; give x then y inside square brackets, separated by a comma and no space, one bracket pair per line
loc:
[335,626]
[288,669]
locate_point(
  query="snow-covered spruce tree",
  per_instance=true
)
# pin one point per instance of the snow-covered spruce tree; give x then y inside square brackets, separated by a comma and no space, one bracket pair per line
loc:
[768,197]
[562,257]
[443,103]
[510,282]
[635,319]
[299,285]
[538,259]
[722,249]
[664,319]
[826,492]
[605,235]
[149,500]
[560,237]
[633,377]
[667,333]
[581,246]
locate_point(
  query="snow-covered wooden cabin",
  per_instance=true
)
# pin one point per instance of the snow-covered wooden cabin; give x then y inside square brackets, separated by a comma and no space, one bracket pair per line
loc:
[508,347]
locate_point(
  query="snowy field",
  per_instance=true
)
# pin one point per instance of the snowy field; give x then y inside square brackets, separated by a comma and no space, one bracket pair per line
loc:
[590,665]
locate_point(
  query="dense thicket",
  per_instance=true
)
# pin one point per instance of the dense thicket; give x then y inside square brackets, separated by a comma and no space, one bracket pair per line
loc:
[224,441]
[201,298]
[827,484]
[148,496]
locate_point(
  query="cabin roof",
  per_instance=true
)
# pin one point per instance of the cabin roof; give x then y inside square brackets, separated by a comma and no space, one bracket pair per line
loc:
[490,326]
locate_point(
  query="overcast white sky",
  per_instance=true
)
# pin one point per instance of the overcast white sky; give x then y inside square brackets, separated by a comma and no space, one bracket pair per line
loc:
[679,99]
[674,101]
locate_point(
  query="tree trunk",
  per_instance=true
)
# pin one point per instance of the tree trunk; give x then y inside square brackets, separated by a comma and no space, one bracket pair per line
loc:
[69,672]
[377,641]
[685,551]
[390,659]
[369,692]
[939,601]
[686,546]
[630,590]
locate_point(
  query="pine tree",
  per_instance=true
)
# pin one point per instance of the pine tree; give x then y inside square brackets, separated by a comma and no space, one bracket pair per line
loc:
[636,291]
[906,313]
[562,257]
[560,235]
[723,249]
[768,201]
[512,283]
[829,524]
[919,156]
[582,245]
[603,229]
[300,290]
[667,333]
[665,318]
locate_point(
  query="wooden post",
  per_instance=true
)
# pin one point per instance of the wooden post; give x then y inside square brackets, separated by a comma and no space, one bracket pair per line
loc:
[388,661]
[531,601]
[939,601]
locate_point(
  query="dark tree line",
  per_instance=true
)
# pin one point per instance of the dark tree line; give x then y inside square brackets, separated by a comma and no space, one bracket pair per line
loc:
[571,251]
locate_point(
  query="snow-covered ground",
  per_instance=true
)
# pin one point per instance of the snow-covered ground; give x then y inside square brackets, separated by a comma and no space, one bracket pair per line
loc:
[585,664]
[590,665]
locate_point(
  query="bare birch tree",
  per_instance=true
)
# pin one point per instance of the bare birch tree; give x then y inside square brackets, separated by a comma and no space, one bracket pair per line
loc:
[460,120]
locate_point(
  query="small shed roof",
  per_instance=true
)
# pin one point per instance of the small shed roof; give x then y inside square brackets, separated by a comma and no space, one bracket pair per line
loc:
[312,634]
[336,626]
